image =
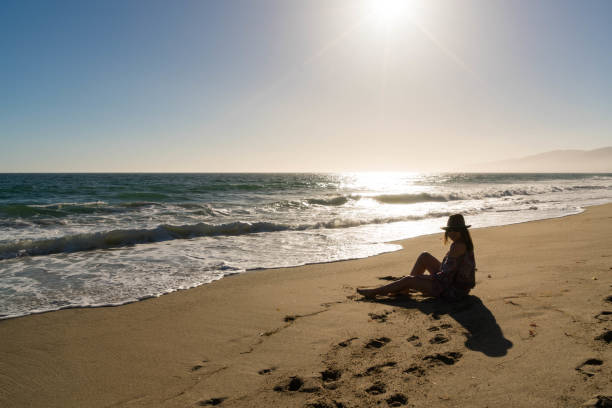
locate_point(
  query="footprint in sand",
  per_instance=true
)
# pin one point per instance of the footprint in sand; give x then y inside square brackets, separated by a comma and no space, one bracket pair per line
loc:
[604,316]
[380,317]
[439,339]
[415,370]
[346,342]
[212,401]
[198,366]
[294,384]
[437,328]
[376,388]
[606,336]
[397,400]
[588,368]
[377,343]
[330,374]
[449,358]
[377,369]
[414,339]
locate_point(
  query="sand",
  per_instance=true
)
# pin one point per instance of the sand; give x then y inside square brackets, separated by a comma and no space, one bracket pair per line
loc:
[535,332]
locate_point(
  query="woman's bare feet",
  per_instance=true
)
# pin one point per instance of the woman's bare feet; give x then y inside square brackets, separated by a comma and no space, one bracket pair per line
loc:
[367,293]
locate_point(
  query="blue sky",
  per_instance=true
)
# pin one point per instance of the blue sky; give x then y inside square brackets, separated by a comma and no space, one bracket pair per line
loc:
[318,85]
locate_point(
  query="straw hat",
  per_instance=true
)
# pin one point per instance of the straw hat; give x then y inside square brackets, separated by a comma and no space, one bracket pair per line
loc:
[455,222]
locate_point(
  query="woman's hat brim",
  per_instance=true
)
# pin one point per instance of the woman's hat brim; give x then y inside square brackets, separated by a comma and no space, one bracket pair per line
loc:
[456,228]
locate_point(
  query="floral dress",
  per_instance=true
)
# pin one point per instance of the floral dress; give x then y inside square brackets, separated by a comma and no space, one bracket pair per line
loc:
[456,276]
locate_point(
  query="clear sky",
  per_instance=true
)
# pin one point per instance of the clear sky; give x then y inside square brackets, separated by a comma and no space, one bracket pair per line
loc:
[287,85]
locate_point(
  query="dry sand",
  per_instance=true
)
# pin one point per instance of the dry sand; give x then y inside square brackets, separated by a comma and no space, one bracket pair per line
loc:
[535,333]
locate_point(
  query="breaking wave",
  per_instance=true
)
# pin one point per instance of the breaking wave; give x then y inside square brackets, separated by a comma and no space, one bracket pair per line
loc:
[428,198]
[167,232]
[415,198]
[340,200]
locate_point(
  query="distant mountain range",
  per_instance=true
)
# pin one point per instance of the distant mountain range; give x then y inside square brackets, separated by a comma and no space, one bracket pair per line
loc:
[557,161]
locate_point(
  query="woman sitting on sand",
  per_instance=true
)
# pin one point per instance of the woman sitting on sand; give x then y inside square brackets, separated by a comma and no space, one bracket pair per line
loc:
[451,279]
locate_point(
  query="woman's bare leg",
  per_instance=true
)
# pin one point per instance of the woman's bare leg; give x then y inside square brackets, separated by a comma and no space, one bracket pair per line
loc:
[415,281]
[425,262]
[421,283]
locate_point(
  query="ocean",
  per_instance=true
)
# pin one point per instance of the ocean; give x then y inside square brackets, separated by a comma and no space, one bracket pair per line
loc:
[86,240]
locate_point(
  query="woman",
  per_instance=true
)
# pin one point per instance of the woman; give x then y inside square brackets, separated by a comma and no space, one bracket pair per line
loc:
[451,279]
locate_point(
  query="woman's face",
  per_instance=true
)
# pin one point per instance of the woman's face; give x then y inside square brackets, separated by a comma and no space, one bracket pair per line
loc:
[454,235]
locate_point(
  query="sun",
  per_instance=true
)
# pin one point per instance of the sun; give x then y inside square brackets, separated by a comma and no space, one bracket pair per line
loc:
[388,13]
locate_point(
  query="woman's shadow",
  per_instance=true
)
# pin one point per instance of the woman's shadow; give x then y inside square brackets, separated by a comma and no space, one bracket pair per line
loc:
[484,334]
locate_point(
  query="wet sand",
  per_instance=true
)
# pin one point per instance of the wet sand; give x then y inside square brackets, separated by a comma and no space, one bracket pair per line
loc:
[535,332]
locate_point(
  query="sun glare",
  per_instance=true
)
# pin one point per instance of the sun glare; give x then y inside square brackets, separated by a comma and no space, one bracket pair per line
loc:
[387,13]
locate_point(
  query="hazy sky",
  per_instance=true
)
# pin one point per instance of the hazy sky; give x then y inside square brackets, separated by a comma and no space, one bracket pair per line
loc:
[287,85]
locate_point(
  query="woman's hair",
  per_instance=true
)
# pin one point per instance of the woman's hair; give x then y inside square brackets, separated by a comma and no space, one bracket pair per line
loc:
[465,237]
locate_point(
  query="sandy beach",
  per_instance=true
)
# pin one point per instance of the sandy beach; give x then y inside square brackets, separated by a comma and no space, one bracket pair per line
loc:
[535,332]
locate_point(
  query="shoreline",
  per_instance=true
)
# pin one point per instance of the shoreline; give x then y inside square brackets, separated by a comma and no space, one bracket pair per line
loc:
[153,296]
[235,340]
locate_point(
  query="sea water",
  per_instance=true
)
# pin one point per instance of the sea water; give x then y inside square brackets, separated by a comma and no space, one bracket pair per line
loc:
[79,240]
